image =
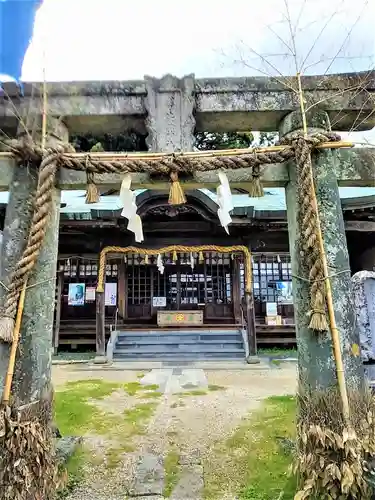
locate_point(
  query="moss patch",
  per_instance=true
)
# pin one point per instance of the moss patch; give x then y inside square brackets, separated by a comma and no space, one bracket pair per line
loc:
[132,388]
[213,388]
[250,463]
[73,472]
[172,472]
[195,392]
[177,404]
[150,395]
[76,415]
[113,455]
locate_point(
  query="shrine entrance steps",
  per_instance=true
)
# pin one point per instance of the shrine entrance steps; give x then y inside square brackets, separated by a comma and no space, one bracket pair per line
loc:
[179,345]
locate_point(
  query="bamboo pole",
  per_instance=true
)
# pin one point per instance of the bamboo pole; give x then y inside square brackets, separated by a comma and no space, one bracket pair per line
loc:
[13,350]
[331,312]
[107,156]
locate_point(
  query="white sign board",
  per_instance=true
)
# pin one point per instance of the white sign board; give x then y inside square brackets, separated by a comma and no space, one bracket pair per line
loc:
[110,294]
[76,294]
[90,294]
[284,292]
[159,301]
[271,308]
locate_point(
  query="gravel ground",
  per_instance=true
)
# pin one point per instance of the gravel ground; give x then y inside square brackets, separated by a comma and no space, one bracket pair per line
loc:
[191,423]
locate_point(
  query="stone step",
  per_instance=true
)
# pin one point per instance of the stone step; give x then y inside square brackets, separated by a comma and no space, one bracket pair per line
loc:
[180,336]
[175,341]
[172,331]
[181,347]
[178,356]
[189,344]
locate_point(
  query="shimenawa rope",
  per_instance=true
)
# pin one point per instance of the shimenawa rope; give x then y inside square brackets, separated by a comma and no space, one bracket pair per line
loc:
[50,159]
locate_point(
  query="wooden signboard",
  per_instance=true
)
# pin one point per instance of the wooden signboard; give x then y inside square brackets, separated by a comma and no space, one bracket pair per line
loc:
[180,318]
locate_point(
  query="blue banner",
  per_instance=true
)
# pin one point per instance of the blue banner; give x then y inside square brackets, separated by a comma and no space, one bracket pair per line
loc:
[16,29]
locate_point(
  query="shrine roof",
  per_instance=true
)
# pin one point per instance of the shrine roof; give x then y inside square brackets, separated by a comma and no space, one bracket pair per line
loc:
[73,202]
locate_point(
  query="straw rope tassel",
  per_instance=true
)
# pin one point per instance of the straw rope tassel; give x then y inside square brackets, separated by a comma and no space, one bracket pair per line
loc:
[256,187]
[176,193]
[92,192]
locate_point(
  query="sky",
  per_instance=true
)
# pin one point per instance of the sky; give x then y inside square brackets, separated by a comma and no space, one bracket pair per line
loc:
[122,39]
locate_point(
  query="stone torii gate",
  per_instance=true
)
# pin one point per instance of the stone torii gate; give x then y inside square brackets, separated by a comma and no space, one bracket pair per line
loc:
[169,110]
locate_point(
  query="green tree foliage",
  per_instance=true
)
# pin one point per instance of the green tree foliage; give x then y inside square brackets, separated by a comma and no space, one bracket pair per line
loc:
[205,141]
[127,142]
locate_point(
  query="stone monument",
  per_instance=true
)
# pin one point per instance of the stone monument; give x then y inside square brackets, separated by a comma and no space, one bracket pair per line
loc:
[364,299]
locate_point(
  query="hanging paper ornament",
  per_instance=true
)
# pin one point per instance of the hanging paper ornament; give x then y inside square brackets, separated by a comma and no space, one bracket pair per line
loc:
[174,256]
[146,259]
[224,200]
[201,258]
[232,256]
[129,210]
[159,264]
[278,259]
[125,259]
[192,263]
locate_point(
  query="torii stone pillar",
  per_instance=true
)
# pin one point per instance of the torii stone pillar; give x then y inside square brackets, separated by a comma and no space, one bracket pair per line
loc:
[33,366]
[315,355]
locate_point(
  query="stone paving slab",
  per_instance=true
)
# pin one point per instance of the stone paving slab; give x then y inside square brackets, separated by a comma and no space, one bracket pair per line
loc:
[159,377]
[190,485]
[176,380]
[149,477]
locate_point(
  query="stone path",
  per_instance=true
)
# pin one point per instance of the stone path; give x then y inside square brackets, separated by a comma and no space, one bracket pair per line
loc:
[176,380]
[197,408]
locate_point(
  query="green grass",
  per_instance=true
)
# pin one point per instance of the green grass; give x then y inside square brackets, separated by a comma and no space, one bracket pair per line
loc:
[114,454]
[74,470]
[172,472]
[277,351]
[132,388]
[213,388]
[251,463]
[275,362]
[150,395]
[77,414]
[195,392]
[74,413]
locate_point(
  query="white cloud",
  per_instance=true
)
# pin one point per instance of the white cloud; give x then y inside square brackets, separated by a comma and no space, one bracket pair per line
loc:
[119,39]
[122,39]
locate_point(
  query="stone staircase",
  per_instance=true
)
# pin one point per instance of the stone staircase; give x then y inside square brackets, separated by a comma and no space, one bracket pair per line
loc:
[179,345]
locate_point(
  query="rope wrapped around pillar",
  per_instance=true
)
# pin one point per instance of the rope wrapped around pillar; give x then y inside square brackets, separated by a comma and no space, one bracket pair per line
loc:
[42,210]
[308,219]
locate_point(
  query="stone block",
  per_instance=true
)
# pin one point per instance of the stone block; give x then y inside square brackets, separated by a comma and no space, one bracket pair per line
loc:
[363,284]
[148,477]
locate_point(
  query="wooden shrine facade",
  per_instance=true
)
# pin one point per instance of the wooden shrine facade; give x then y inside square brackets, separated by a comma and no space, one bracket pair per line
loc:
[213,285]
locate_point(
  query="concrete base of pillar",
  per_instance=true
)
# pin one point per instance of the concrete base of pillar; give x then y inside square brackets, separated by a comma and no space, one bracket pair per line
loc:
[100,360]
[252,360]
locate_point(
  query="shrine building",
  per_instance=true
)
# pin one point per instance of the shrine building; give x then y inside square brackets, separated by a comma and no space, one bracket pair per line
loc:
[212,287]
